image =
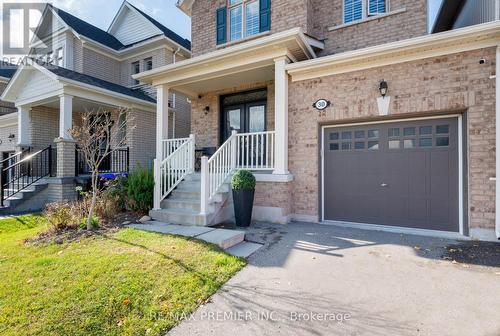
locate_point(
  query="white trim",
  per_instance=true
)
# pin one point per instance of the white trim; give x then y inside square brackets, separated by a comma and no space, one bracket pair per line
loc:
[367,19]
[460,159]
[233,52]
[458,40]
[260,177]
[4,79]
[185,6]
[8,119]
[398,229]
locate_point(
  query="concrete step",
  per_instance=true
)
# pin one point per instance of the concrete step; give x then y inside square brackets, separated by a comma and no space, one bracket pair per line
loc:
[179,203]
[244,249]
[225,239]
[193,177]
[179,216]
[186,194]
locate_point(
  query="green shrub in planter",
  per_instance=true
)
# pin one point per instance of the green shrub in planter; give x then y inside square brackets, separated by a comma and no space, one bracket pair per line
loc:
[243,180]
[140,190]
[243,185]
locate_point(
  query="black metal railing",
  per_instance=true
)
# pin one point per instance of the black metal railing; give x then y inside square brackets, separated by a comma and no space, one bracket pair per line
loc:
[23,170]
[118,161]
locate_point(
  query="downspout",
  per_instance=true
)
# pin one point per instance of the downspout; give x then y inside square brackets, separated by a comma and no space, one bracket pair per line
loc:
[497,150]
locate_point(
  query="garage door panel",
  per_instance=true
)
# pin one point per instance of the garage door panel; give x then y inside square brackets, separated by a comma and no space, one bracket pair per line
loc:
[392,184]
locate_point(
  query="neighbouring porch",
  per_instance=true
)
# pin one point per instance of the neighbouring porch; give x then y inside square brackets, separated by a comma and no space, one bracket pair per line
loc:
[50,101]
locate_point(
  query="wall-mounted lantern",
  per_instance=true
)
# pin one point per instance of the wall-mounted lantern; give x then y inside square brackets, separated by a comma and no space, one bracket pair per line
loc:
[206,109]
[383,88]
[11,137]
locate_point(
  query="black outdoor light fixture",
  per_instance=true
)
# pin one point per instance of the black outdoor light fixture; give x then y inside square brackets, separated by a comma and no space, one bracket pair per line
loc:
[206,109]
[11,137]
[383,88]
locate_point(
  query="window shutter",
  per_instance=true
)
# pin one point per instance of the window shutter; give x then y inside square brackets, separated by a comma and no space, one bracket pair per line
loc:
[265,15]
[376,7]
[221,18]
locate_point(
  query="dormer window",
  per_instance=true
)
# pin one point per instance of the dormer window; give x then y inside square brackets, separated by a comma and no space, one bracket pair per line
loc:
[148,64]
[60,57]
[355,10]
[243,18]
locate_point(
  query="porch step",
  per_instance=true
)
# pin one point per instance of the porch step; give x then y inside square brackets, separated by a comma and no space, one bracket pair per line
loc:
[179,203]
[13,202]
[179,216]
[230,240]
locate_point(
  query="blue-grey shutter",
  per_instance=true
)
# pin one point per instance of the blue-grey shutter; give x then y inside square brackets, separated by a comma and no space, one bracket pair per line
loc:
[353,10]
[264,15]
[221,18]
[376,7]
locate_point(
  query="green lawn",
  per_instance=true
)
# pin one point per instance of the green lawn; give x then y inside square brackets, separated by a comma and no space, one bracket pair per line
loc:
[128,283]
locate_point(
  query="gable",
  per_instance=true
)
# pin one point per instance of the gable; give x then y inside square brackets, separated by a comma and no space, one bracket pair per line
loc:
[131,27]
[31,83]
[50,24]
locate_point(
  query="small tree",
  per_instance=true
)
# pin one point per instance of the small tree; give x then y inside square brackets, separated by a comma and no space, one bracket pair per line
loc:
[98,136]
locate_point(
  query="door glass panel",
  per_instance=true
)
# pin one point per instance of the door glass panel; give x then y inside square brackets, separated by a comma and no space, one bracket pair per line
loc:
[409,131]
[346,135]
[257,119]
[346,146]
[334,136]
[359,134]
[394,144]
[425,142]
[393,132]
[410,143]
[442,141]
[373,145]
[373,134]
[359,145]
[442,129]
[234,120]
[425,130]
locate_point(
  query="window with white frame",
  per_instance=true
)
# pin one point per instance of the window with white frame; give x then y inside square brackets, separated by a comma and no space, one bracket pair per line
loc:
[148,64]
[355,10]
[49,58]
[60,57]
[243,18]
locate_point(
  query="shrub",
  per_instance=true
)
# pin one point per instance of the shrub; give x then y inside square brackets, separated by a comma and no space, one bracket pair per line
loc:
[140,189]
[111,201]
[243,180]
[64,215]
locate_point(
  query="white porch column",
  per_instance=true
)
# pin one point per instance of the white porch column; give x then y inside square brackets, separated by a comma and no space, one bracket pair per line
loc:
[281,115]
[161,134]
[23,123]
[65,116]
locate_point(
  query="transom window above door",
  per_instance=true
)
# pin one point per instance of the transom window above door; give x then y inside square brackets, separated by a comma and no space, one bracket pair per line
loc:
[243,18]
[356,10]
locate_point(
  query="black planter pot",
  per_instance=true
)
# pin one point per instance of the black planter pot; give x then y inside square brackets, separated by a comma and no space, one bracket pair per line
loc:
[243,206]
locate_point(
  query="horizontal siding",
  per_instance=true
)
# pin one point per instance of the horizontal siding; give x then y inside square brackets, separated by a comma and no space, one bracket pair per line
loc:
[476,12]
[38,84]
[133,28]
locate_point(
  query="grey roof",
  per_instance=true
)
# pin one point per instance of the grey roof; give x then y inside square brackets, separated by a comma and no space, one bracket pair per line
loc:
[88,30]
[92,32]
[86,79]
[7,70]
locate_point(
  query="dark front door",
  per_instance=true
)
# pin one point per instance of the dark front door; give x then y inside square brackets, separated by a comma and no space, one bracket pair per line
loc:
[244,118]
[399,174]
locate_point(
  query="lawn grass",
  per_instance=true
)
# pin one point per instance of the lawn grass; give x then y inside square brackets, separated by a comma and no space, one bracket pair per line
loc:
[125,283]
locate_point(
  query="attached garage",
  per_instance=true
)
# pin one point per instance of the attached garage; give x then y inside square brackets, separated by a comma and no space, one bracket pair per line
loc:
[394,173]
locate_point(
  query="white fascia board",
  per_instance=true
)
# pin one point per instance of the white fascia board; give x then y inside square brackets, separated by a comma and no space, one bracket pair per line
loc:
[419,47]
[6,93]
[185,6]
[69,83]
[8,119]
[232,52]
[4,79]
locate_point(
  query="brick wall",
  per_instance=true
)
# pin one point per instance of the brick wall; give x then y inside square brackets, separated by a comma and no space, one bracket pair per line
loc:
[182,116]
[142,139]
[285,14]
[206,127]
[328,13]
[100,66]
[8,145]
[315,17]
[274,194]
[44,126]
[455,81]
[160,58]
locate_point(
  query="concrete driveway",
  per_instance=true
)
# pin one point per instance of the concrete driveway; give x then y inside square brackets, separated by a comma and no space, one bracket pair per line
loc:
[326,280]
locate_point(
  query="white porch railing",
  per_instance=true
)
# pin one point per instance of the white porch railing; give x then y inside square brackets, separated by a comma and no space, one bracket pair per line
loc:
[252,151]
[175,167]
[171,145]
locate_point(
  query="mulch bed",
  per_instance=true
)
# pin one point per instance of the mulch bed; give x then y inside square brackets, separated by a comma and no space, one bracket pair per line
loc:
[474,253]
[75,235]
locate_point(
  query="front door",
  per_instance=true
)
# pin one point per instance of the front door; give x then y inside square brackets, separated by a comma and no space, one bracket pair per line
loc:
[244,118]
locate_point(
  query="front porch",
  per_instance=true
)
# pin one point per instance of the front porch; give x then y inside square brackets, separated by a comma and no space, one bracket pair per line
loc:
[240,115]
[50,101]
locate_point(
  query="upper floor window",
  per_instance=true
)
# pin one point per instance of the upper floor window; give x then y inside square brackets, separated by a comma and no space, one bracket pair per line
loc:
[148,64]
[136,68]
[243,18]
[49,59]
[60,57]
[355,10]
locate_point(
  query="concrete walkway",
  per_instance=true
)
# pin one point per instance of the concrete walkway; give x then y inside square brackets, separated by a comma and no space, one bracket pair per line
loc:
[325,280]
[233,241]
